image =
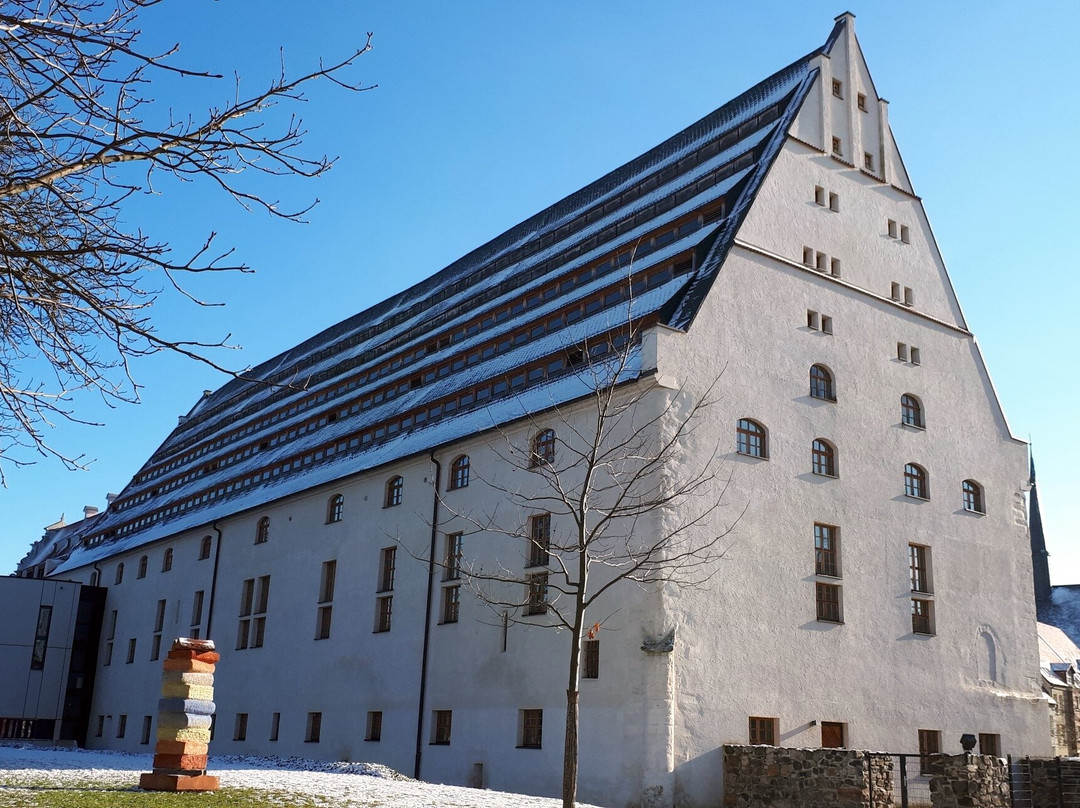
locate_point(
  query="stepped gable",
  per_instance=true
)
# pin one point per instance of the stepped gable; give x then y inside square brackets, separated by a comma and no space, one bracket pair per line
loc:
[492,338]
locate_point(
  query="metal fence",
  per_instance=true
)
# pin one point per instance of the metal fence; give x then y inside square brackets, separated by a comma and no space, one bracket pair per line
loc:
[910,782]
[1020,783]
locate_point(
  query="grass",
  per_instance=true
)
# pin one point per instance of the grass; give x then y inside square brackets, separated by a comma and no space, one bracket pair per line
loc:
[91,795]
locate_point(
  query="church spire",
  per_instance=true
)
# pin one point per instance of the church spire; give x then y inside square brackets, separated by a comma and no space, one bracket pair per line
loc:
[1039,556]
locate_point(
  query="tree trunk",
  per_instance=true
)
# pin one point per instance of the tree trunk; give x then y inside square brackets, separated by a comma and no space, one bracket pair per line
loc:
[570,751]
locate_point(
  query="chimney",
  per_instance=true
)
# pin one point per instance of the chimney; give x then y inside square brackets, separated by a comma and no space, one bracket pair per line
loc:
[111,498]
[89,510]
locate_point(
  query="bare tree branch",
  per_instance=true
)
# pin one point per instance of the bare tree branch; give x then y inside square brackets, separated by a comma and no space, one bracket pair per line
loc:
[77,286]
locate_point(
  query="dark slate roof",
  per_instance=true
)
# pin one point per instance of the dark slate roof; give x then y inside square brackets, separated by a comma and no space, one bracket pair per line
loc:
[1063,610]
[482,342]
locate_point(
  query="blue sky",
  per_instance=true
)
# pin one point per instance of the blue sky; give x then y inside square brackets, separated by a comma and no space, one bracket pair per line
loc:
[486,112]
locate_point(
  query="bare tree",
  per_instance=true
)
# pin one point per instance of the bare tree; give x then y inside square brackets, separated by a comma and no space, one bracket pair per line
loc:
[79,136]
[619,500]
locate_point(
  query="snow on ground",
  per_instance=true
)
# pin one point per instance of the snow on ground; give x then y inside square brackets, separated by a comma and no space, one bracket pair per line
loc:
[339,784]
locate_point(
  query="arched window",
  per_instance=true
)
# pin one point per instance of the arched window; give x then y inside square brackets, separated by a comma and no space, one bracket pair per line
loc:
[204,548]
[973,497]
[750,438]
[459,473]
[394,488]
[141,572]
[915,481]
[119,573]
[262,532]
[335,508]
[824,458]
[93,578]
[821,383]
[911,412]
[166,561]
[543,448]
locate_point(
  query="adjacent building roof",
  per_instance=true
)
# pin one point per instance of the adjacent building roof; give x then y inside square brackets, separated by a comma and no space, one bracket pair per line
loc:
[497,335]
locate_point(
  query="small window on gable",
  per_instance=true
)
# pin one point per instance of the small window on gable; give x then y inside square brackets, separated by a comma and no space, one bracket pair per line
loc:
[905,234]
[911,411]
[916,481]
[894,291]
[204,547]
[819,195]
[909,296]
[862,102]
[262,531]
[750,439]
[837,88]
[542,450]
[916,356]
[834,267]
[166,560]
[808,256]
[459,473]
[335,508]
[813,320]
[837,147]
[826,324]
[868,161]
[141,571]
[901,351]
[823,456]
[821,262]
[394,488]
[834,202]
[822,384]
[973,497]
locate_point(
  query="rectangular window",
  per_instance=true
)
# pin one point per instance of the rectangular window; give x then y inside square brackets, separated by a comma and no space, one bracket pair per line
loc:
[819,195]
[929,744]
[531,733]
[121,726]
[537,602]
[837,147]
[892,228]
[451,602]
[374,726]
[834,267]
[833,735]
[322,622]
[383,608]
[254,599]
[112,626]
[901,352]
[452,559]
[826,550]
[834,202]
[155,647]
[919,568]
[275,726]
[196,608]
[916,356]
[326,583]
[108,654]
[813,320]
[826,324]
[314,728]
[147,726]
[989,744]
[387,562]
[894,291]
[922,616]
[868,161]
[905,234]
[539,540]
[100,727]
[821,261]
[41,638]
[131,650]
[590,655]
[240,727]
[828,603]
[861,98]
[441,721]
[837,88]
[909,296]
[808,256]
[762,731]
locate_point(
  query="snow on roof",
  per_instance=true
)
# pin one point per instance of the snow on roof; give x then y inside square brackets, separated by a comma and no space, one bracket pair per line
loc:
[249,442]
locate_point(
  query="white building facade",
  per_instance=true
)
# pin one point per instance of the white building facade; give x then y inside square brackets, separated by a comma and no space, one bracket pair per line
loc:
[875,591]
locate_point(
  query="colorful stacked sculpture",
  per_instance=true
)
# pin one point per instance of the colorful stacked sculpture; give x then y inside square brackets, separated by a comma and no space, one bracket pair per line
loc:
[185,713]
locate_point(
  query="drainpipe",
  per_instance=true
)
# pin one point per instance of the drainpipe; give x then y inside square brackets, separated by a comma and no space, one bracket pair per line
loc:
[427,617]
[213,580]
